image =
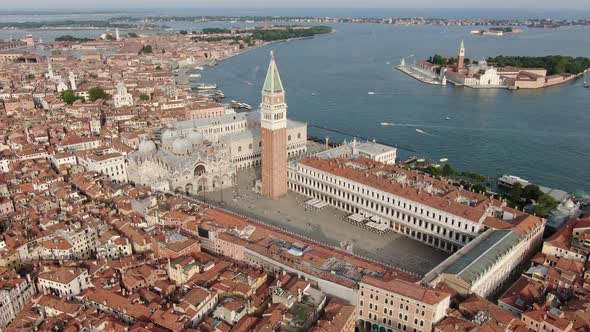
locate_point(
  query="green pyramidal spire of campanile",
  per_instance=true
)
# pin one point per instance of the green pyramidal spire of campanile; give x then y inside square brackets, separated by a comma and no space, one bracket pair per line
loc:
[273,83]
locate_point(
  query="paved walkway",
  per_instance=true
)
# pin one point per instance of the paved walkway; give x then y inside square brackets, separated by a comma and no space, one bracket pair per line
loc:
[325,226]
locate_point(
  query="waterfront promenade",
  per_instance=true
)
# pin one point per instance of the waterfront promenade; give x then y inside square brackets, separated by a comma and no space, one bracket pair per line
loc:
[420,75]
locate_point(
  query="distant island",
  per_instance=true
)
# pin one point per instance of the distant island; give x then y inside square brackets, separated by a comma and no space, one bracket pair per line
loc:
[73,24]
[500,72]
[250,35]
[496,31]
[484,22]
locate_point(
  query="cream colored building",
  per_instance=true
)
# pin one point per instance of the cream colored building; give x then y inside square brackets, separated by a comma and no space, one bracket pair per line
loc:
[204,154]
[398,305]
[181,269]
[64,281]
[15,293]
[404,202]
[122,98]
[182,162]
[105,161]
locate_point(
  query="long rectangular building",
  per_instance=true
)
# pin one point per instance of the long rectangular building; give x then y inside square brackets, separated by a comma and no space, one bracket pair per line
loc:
[484,265]
[428,210]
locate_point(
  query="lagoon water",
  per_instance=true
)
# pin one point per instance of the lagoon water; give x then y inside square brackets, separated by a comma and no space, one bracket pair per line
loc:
[541,135]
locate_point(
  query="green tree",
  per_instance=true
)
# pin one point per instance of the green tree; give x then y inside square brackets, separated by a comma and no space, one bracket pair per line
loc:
[439,60]
[69,38]
[158,67]
[147,49]
[447,170]
[68,97]
[555,64]
[183,32]
[96,93]
[109,37]
[208,31]
[478,187]
[516,192]
[132,35]
[532,192]
[144,97]
[545,205]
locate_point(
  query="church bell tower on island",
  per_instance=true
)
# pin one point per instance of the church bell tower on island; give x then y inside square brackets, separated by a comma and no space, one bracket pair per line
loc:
[461,57]
[273,122]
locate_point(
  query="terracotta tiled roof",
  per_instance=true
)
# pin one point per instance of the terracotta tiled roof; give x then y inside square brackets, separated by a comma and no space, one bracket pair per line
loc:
[408,289]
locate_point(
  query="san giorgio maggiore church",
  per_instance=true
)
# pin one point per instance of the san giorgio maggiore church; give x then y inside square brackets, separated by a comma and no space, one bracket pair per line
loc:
[204,154]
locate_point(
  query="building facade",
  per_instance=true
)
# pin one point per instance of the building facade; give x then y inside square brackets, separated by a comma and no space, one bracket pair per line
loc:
[15,293]
[398,305]
[64,281]
[122,97]
[105,161]
[418,207]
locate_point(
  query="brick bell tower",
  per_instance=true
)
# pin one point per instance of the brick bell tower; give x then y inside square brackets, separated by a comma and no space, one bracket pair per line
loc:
[461,57]
[273,122]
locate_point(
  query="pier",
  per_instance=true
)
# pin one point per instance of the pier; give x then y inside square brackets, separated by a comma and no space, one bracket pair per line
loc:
[421,75]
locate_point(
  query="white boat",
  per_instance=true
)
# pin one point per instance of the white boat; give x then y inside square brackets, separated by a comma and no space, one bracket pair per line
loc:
[448,118]
[206,86]
[444,160]
[421,160]
[194,75]
[370,93]
[420,131]
[199,68]
[387,124]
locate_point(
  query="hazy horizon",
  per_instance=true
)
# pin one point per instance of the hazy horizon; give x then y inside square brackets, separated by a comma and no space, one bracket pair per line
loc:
[110,5]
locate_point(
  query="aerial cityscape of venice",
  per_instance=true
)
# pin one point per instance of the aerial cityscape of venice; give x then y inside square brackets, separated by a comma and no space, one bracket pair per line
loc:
[293,166]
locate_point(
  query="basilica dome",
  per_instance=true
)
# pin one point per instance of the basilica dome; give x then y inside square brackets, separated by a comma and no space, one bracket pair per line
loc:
[195,137]
[147,146]
[168,137]
[181,146]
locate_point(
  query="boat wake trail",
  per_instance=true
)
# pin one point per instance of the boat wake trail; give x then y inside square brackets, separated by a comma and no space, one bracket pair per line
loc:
[411,125]
[420,131]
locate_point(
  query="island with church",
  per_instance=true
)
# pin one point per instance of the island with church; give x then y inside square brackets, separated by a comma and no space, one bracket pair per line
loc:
[500,72]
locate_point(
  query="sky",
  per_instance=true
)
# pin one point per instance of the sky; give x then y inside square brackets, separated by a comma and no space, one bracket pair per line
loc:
[31,5]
